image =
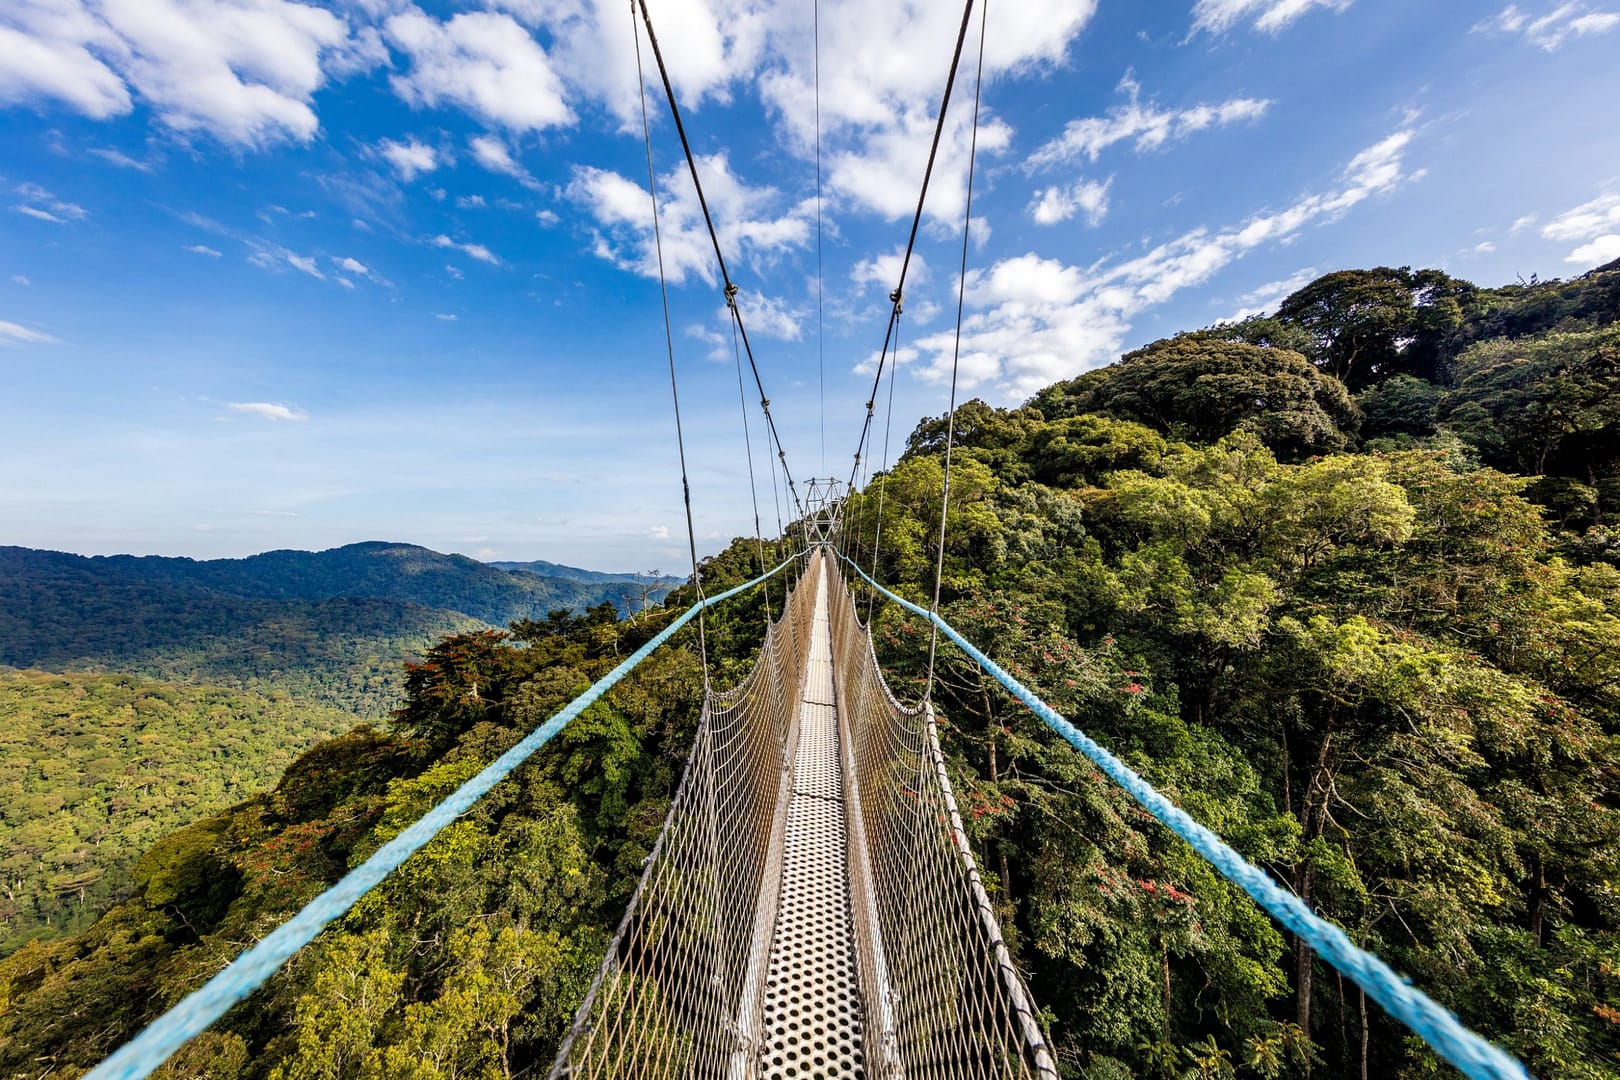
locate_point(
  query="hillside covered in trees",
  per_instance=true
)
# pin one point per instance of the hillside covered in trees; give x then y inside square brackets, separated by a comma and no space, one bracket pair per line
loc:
[1343,582]
[331,627]
[95,769]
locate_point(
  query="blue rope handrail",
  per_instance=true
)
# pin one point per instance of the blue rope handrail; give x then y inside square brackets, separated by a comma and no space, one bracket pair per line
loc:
[1474,1056]
[137,1058]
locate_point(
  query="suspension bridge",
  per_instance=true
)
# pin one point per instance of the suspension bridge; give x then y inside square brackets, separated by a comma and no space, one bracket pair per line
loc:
[812,907]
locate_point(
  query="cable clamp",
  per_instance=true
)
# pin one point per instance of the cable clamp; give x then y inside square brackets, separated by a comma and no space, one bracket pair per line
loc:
[731,295]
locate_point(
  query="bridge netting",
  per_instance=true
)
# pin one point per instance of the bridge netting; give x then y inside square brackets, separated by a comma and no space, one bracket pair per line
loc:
[801,766]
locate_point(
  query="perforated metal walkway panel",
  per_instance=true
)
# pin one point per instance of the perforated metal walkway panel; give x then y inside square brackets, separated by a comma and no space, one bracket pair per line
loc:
[812,908]
[812,1024]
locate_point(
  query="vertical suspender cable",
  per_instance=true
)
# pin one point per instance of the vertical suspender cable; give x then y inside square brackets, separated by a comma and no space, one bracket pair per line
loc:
[956,354]
[669,344]
[821,341]
[714,239]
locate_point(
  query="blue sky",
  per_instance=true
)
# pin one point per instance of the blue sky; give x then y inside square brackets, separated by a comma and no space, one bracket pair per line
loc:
[275,274]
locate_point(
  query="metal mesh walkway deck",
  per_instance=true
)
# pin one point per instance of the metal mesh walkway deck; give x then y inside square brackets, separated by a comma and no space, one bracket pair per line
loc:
[812,1021]
[812,909]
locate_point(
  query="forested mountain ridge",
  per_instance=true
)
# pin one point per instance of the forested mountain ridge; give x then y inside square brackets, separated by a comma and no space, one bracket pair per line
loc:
[1294,570]
[574,573]
[330,627]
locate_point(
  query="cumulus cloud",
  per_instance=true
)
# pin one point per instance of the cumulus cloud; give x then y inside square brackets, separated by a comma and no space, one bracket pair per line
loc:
[1034,320]
[1551,30]
[269,410]
[750,220]
[409,159]
[476,251]
[494,155]
[244,72]
[884,270]
[1060,203]
[659,532]
[1603,249]
[481,61]
[14,334]
[1269,16]
[1148,124]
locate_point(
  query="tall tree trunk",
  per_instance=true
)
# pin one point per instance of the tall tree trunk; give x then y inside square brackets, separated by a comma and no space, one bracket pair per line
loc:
[1363,1035]
[990,729]
[1164,973]
[1313,815]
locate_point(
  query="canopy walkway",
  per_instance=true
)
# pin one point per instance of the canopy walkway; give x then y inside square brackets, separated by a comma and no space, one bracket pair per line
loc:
[812,908]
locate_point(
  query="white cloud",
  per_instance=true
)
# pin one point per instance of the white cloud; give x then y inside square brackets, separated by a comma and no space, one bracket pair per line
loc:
[409,159]
[20,279]
[1550,31]
[14,333]
[1586,220]
[470,202]
[269,410]
[750,227]
[47,55]
[882,74]
[659,532]
[494,155]
[41,205]
[120,159]
[476,251]
[1484,247]
[769,316]
[1034,320]
[884,270]
[1603,249]
[547,218]
[203,249]
[481,61]
[1060,203]
[1263,299]
[444,316]
[1270,16]
[305,264]
[1147,123]
[244,72]
[354,266]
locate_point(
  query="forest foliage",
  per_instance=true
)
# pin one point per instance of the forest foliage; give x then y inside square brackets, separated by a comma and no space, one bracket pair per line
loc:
[1309,574]
[95,769]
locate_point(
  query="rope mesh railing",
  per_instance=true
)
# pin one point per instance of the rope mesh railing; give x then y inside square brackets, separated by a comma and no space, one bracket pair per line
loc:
[943,998]
[678,994]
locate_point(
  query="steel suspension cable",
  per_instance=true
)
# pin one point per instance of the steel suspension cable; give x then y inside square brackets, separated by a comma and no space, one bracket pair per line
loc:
[897,297]
[669,343]
[956,354]
[753,489]
[883,482]
[714,239]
